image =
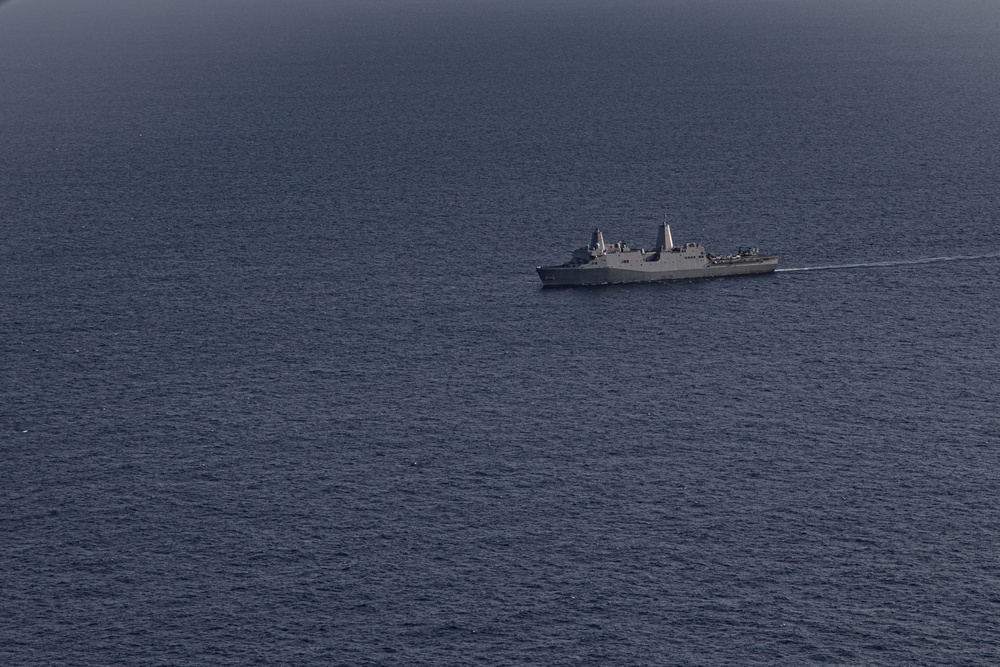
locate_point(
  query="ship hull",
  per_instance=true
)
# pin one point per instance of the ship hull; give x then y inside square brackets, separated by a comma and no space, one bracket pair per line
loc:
[563,276]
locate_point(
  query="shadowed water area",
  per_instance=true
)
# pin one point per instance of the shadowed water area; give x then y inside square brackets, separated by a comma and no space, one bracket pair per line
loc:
[279,384]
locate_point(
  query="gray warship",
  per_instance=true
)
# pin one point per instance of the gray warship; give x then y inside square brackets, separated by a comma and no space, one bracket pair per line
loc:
[602,263]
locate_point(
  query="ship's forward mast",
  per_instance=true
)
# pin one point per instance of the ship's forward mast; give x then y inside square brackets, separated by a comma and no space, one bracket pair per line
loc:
[597,241]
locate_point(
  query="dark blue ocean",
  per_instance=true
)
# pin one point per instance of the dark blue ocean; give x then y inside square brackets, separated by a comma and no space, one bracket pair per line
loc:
[279,384]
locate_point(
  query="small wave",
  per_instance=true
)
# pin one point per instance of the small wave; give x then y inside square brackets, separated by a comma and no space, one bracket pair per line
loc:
[901,262]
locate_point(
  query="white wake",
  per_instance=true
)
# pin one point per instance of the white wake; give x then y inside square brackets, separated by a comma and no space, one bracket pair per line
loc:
[901,262]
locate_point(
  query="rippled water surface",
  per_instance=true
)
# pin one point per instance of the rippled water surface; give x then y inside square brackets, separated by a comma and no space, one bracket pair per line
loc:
[279,384]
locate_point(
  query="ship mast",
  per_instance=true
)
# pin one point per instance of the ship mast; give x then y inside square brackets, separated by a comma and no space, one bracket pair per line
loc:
[664,239]
[597,241]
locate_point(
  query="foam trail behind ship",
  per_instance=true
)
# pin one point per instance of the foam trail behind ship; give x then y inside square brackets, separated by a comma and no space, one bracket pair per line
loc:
[902,262]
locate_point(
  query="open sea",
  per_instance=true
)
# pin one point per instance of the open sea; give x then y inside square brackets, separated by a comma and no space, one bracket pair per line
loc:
[279,384]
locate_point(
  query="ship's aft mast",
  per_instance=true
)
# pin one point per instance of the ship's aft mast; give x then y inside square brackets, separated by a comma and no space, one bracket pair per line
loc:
[664,239]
